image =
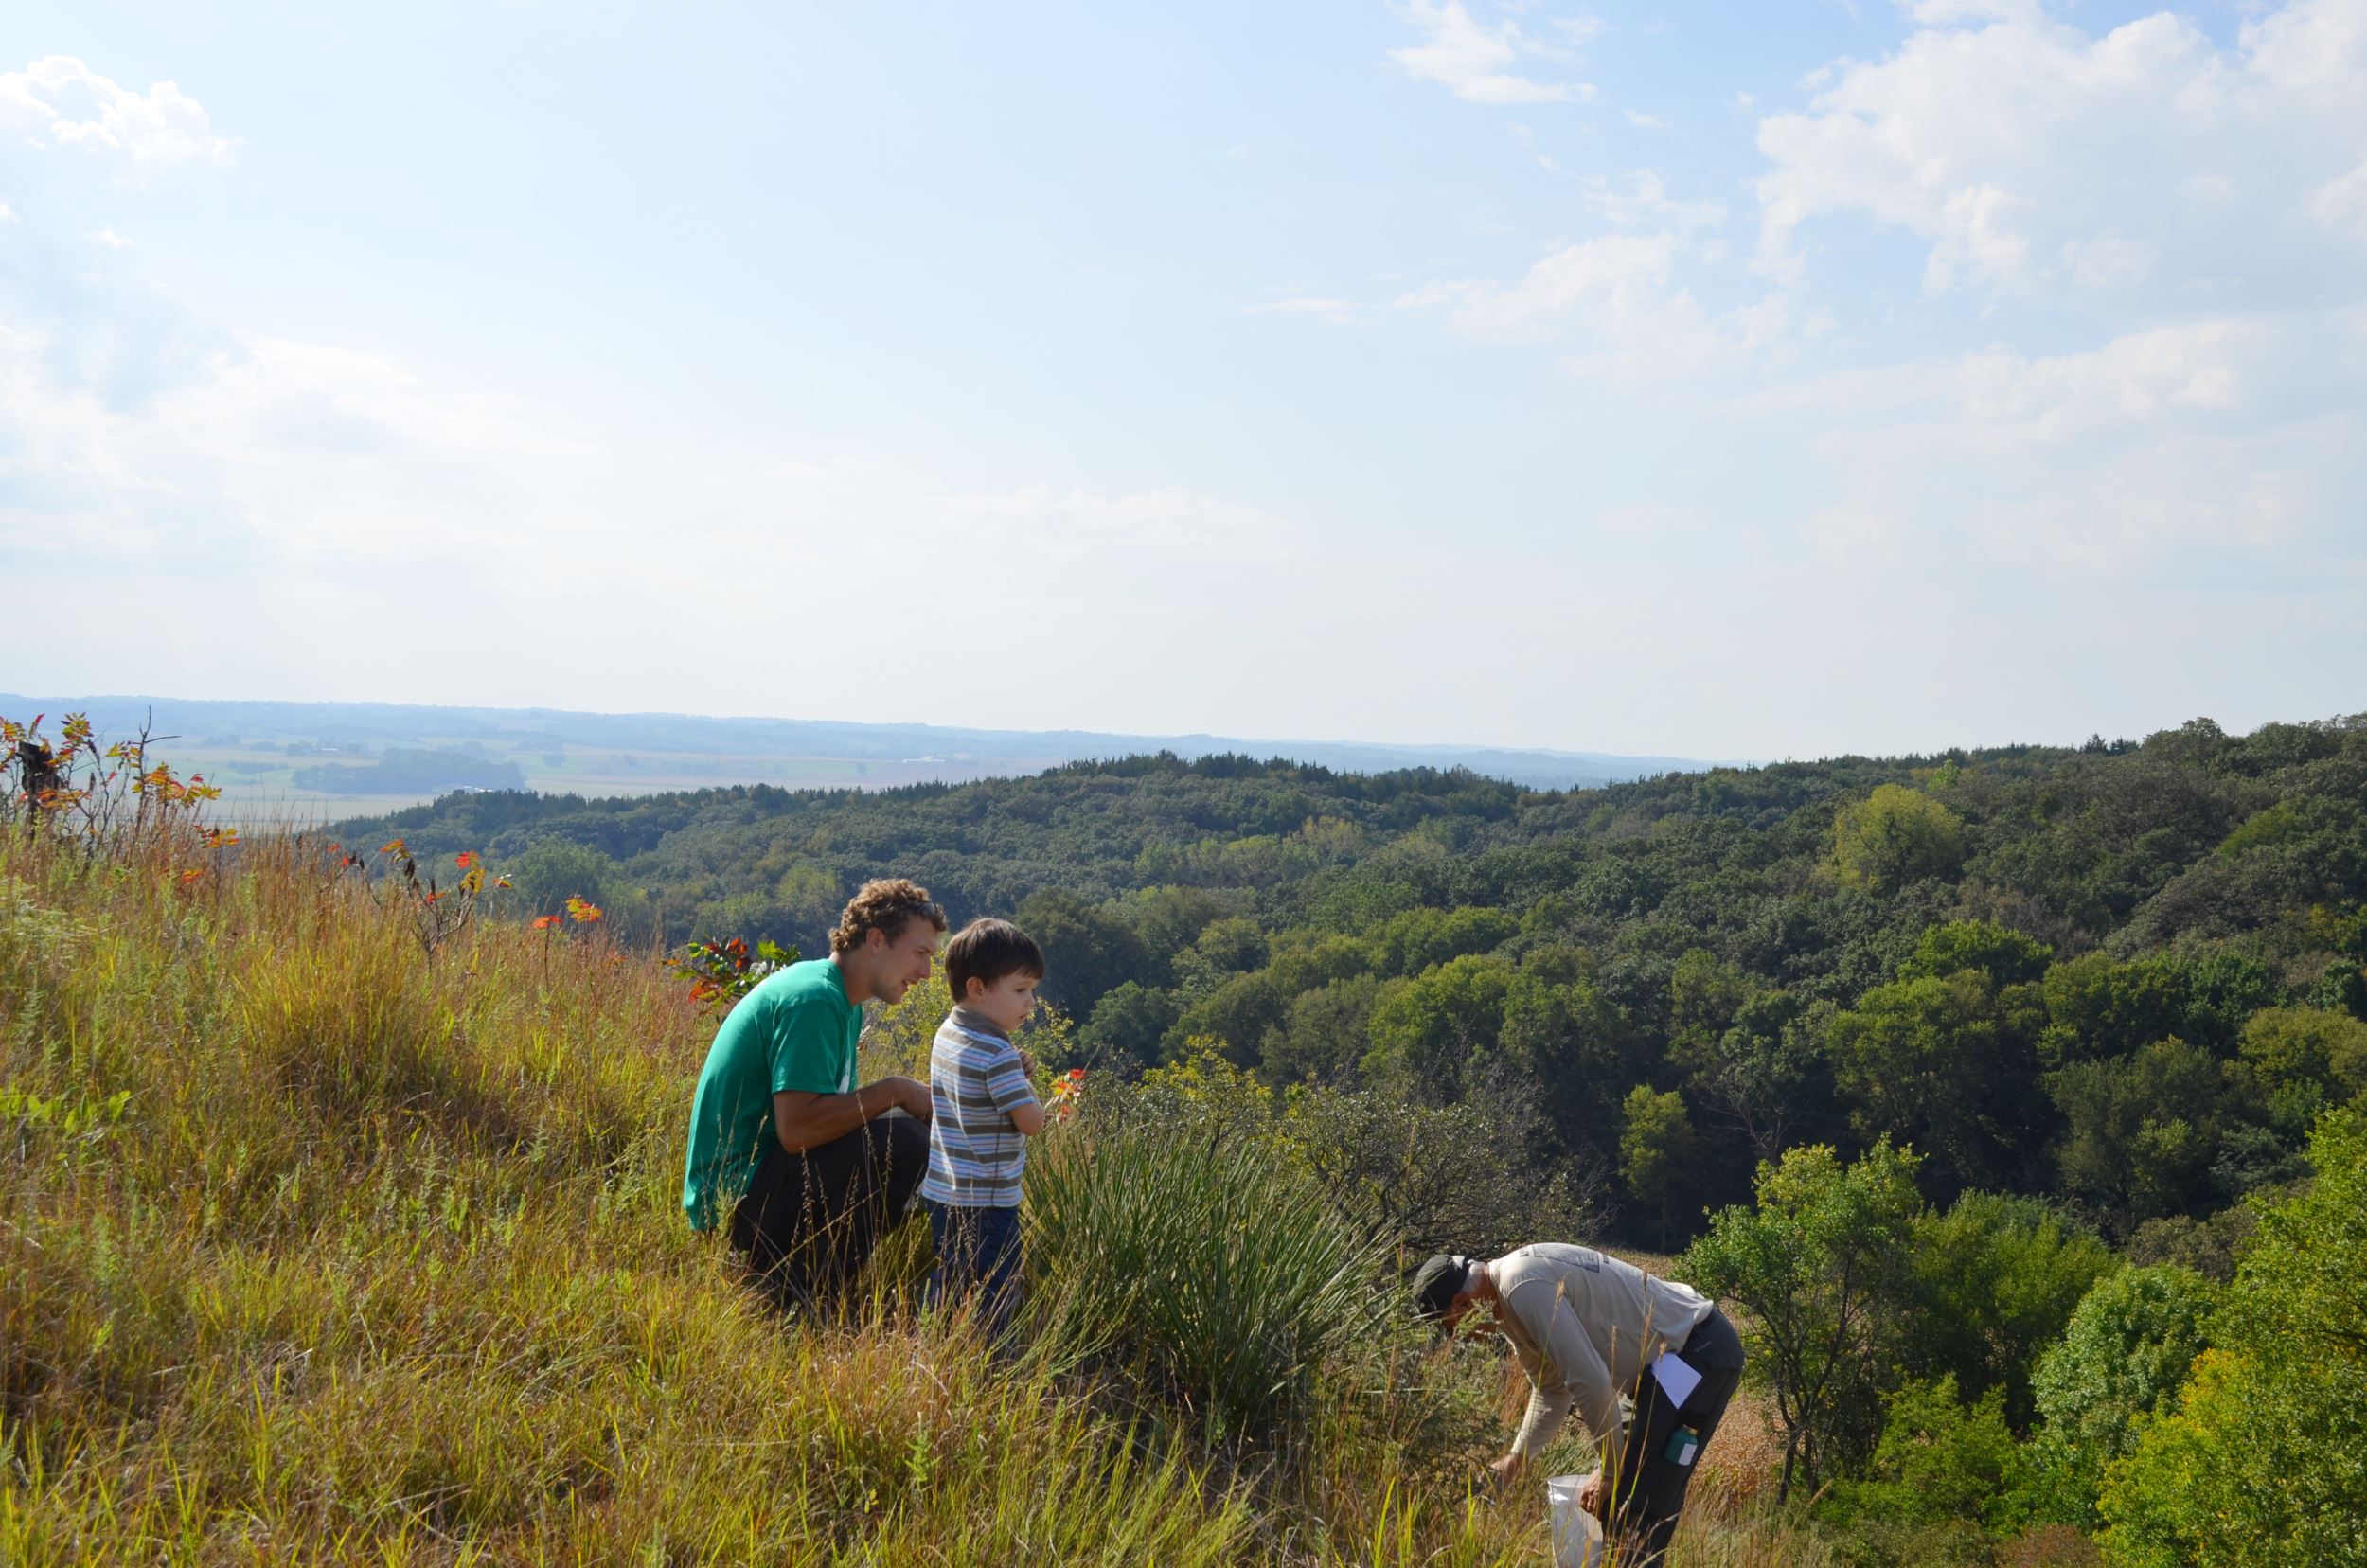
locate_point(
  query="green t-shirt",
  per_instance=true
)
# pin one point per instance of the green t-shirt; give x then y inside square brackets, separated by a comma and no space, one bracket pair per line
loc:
[794,1030]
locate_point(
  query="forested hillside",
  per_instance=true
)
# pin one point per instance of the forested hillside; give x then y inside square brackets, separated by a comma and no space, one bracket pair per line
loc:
[2125,975]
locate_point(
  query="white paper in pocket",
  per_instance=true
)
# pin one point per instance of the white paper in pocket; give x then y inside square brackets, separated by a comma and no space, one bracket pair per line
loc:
[1676,1379]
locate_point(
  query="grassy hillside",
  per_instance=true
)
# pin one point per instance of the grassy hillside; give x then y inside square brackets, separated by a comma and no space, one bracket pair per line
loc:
[316,1246]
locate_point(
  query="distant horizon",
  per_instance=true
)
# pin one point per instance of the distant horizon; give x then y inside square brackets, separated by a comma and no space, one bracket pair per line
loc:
[1147,737]
[1121,734]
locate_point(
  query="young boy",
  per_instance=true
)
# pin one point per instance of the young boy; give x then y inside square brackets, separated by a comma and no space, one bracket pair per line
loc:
[985,1112]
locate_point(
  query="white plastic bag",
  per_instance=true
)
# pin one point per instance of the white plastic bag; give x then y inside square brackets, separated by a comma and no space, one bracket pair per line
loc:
[1578,1533]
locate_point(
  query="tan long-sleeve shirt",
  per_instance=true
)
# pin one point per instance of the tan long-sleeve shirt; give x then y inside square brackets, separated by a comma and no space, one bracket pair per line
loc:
[1584,1327]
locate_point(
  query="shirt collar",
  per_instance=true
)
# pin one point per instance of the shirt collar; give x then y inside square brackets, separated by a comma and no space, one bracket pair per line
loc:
[978,1023]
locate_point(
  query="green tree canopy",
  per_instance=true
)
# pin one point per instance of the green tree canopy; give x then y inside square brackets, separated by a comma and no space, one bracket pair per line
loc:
[1088,950]
[1945,1063]
[2264,1464]
[1895,836]
[1433,1031]
[1658,1150]
[1996,1281]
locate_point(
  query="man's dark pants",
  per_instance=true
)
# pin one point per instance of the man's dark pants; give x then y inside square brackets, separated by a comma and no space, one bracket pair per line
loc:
[809,1222]
[1650,1490]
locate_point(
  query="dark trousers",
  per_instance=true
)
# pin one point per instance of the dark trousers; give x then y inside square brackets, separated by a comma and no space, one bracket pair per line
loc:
[977,1251]
[809,1222]
[1649,1489]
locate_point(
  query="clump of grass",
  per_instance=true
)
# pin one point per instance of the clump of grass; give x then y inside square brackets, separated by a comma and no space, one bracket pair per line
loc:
[1207,1264]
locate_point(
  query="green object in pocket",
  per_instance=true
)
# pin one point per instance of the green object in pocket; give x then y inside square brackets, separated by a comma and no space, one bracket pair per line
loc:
[1684,1444]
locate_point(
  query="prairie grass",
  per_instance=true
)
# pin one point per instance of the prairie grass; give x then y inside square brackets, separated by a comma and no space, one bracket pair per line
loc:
[316,1246]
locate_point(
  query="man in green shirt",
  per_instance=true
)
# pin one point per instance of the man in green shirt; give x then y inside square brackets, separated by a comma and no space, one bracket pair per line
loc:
[810,1169]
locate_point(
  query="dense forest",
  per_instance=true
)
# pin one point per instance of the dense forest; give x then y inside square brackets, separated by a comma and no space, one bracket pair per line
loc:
[2126,976]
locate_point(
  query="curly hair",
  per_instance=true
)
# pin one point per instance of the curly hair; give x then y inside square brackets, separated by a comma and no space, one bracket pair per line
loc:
[886,906]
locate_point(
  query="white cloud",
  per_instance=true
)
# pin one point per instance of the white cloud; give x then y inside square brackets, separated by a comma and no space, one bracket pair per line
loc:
[58,101]
[2107,262]
[8,213]
[2036,160]
[2226,441]
[111,240]
[1646,122]
[1473,61]
[404,531]
[1640,199]
[1616,300]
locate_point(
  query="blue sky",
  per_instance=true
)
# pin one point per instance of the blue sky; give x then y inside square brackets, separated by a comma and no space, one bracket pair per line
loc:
[1771,380]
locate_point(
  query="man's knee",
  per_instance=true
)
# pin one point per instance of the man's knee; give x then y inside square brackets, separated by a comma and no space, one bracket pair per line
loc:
[906,1146]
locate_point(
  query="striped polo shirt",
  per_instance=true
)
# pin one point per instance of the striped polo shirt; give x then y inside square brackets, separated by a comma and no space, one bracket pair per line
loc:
[975,1154]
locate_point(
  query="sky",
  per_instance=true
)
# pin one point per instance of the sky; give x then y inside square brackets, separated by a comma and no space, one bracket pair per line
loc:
[1750,379]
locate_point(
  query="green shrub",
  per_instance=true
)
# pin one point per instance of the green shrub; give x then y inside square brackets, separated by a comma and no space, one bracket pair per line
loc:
[1937,1485]
[2265,1459]
[1996,1281]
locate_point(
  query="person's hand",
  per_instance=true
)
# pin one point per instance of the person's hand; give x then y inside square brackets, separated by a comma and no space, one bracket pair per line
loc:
[911,1097]
[1027,1062]
[1508,1469]
[1591,1493]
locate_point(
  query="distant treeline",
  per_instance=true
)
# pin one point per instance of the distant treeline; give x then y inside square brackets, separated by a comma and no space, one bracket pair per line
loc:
[2125,977]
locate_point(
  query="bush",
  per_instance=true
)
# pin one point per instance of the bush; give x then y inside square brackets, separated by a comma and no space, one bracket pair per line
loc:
[1996,1281]
[1822,1262]
[2126,1352]
[1426,1179]
[2265,1459]
[1939,1463]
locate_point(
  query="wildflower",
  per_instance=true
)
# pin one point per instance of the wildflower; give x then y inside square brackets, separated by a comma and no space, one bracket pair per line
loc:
[464,860]
[397,847]
[581,911]
[544,922]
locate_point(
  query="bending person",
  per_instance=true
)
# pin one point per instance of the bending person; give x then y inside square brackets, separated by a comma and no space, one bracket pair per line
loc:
[812,1170]
[1586,1329]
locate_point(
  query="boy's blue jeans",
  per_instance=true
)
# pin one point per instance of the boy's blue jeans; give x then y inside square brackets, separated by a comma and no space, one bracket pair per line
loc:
[977,1249]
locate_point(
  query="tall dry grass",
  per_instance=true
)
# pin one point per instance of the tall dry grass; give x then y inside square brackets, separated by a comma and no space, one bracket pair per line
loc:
[316,1246]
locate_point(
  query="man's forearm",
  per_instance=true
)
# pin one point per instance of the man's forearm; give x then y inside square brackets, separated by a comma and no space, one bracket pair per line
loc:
[827,1118]
[1547,1412]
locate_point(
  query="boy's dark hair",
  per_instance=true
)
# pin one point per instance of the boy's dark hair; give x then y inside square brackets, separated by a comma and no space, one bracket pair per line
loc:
[985,950]
[886,906]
